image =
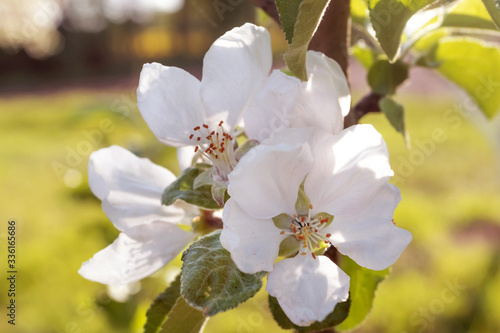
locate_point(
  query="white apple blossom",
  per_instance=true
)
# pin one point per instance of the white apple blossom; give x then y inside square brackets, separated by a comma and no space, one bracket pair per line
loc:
[130,189]
[345,177]
[182,111]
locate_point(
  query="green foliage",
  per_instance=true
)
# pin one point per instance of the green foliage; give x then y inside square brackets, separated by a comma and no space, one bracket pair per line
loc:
[493,8]
[184,319]
[338,315]
[384,77]
[161,306]
[474,66]
[300,19]
[364,54]
[389,18]
[468,14]
[394,112]
[210,281]
[364,283]
[359,12]
[183,188]
[288,11]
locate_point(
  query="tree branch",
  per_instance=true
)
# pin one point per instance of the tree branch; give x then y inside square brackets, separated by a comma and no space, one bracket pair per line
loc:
[369,103]
[268,6]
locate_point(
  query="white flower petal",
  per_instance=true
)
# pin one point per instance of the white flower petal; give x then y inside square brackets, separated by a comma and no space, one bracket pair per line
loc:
[266,181]
[273,107]
[253,243]
[330,79]
[285,101]
[234,67]
[136,254]
[169,101]
[368,236]
[349,169]
[308,289]
[131,188]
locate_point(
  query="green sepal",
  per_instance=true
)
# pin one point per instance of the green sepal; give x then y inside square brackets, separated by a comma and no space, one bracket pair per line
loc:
[204,178]
[338,315]
[210,280]
[282,221]
[302,204]
[289,247]
[183,188]
[161,306]
[219,193]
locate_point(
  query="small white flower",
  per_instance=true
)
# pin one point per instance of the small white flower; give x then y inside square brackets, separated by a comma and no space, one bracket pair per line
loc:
[130,189]
[345,176]
[182,111]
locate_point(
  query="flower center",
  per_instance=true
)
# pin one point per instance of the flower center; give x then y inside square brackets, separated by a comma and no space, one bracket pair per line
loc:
[308,230]
[217,146]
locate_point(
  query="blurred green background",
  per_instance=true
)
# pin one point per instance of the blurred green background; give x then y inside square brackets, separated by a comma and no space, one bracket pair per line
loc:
[57,89]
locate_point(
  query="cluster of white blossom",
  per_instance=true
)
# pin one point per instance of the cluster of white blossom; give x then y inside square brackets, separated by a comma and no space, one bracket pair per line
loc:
[306,183]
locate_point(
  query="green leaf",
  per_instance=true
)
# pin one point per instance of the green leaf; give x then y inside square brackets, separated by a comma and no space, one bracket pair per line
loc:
[210,281]
[384,77]
[302,204]
[288,11]
[204,178]
[299,19]
[359,12]
[184,319]
[219,192]
[394,112]
[469,14]
[474,66]
[493,8]
[183,188]
[338,315]
[161,306]
[364,283]
[389,18]
[364,54]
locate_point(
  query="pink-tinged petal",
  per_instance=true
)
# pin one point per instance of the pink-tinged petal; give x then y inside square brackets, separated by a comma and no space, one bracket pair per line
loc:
[136,254]
[266,181]
[131,188]
[253,243]
[169,101]
[349,170]
[368,235]
[308,289]
[234,67]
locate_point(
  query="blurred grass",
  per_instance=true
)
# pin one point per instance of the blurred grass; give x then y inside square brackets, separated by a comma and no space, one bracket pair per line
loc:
[450,204]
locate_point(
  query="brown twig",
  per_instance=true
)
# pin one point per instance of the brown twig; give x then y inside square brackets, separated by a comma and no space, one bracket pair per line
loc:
[268,6]
[369,103]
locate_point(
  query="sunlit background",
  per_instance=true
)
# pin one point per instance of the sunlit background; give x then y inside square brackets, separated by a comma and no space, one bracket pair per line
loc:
[68,74]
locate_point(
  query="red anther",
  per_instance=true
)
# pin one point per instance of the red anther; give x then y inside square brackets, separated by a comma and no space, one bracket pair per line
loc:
[230,137]
[205,125]
[327,242]
[300,236]
[221,122]
[328,235]
[304,246]
[222,144]
[221,150]
[213,132]
[315,230]
[198,139]
[310,206]
[196,148]
[196,128]
[282,232]
[208,137]
[294,230]
[302,219]
[325,220]
[216,156]
[191,136]
[314,256]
